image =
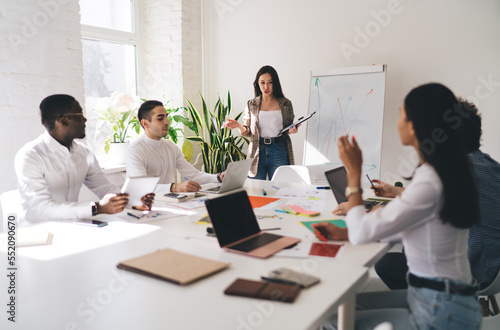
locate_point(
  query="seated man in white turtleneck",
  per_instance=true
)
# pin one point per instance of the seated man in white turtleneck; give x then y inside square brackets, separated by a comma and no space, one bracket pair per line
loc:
[151,155]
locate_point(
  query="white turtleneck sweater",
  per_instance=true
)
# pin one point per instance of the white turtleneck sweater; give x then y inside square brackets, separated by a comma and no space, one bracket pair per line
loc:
[149,157]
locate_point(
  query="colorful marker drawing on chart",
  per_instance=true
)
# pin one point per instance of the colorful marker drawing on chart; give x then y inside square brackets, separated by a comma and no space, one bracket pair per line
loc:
[345,105]
[339,127]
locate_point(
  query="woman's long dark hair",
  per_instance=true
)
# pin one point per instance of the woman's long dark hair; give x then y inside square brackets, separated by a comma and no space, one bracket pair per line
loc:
[442,147]
[277,92]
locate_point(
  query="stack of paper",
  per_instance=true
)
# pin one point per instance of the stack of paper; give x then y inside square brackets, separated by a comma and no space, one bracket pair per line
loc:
[298,210]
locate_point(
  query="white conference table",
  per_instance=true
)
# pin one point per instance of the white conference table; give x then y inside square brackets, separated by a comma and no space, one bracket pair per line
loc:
[74,283]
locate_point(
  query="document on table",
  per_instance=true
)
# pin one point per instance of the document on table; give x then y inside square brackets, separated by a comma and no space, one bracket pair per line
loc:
[137,216]
[307,204]
[192,204]
[300,250]
[309,194]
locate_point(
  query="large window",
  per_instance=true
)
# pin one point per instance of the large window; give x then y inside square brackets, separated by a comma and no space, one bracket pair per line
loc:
[111,53]
[110,41]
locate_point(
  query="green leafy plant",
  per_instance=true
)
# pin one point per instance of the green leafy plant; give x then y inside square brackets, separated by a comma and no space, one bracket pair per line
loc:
[119,114]
[218,146]
[176,116]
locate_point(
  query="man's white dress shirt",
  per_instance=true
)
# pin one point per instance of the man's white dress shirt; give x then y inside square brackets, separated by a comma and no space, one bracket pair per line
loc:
[49,178]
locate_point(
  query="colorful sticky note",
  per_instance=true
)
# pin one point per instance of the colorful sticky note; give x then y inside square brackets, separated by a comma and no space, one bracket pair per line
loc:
[336,222]
[258,201]
[301,211]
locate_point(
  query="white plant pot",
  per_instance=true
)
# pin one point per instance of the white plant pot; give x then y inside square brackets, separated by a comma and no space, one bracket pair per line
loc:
[117,153]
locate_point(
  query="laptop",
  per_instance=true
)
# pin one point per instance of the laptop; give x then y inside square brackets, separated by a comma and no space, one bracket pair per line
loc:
[236,174]
[337,179]
[237,229]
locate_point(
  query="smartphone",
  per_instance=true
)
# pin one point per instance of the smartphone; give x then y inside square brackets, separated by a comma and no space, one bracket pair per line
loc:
[175,195]
[288,276]
[93,223]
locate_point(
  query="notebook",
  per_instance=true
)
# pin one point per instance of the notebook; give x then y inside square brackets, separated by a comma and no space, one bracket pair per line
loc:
[173,266]
[337,179]
[236,174]
[237,229]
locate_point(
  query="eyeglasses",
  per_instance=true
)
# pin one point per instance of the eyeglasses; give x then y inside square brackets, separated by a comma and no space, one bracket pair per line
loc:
[74,114]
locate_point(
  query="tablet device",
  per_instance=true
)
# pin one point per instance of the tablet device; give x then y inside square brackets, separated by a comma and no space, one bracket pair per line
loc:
[138,187]
[300,121]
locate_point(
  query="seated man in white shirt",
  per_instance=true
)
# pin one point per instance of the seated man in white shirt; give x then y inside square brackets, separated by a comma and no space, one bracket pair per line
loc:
[51,169]
[151,155]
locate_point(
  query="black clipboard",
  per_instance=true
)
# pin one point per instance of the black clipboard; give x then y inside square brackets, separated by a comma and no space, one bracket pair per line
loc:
[300,121]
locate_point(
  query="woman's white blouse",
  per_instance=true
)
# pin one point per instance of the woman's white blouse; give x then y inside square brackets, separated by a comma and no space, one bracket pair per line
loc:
[433,249]
[270,123]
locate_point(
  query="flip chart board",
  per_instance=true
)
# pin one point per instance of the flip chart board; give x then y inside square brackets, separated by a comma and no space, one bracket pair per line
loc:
[347,101]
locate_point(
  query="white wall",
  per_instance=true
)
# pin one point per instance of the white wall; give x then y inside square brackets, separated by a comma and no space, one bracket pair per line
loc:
[455,42]
[41,54]
[33,65]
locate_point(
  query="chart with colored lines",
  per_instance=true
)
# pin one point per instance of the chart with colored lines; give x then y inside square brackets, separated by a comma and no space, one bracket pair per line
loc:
[348,101]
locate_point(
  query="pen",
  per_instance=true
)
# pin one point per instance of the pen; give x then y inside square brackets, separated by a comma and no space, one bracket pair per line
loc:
[133,215]
[264,192]
[325,187]
[277,228]
[373,186]
[275,187]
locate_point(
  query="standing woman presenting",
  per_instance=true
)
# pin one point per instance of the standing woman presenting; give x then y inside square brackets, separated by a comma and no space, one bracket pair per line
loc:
[265,116]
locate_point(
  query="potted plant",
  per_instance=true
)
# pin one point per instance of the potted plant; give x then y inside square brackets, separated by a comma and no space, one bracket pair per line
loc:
[218,146]
[176,117]
[118,117]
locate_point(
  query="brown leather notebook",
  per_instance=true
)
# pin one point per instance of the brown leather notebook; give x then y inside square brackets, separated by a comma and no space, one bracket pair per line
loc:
[263,290]
[173,266]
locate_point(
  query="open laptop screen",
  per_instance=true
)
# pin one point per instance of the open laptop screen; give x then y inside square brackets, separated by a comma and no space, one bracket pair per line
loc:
[337,179]
[232,217]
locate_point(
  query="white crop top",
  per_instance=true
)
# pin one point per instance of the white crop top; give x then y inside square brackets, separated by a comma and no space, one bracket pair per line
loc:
[270,123]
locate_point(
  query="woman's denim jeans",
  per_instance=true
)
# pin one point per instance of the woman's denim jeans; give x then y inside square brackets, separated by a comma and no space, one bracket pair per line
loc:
[271,156]
[431,309]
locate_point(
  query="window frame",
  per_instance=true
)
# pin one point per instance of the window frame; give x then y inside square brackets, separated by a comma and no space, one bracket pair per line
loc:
[133,38]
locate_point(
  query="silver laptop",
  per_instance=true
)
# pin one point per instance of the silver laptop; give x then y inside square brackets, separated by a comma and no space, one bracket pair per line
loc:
[237,229]
[236,174]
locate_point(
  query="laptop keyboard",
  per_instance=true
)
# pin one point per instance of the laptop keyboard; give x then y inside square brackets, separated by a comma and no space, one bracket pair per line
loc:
[255,242]
[370,204]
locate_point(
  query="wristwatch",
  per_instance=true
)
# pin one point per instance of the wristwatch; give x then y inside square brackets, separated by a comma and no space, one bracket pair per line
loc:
[352,190]
[94,208]
[218,177]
